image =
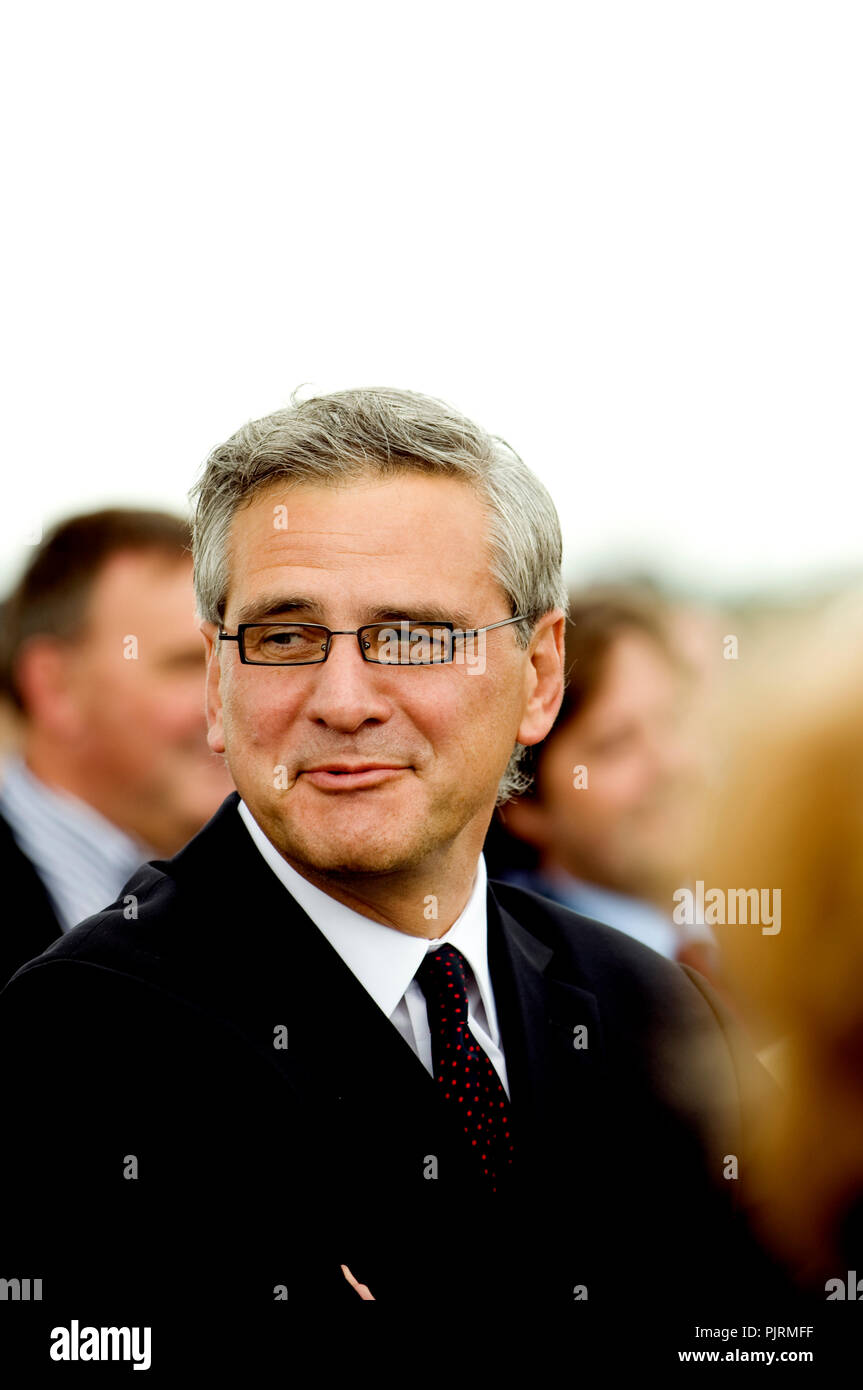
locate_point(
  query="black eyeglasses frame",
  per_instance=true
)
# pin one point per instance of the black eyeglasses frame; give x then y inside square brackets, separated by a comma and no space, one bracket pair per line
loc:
[240,635]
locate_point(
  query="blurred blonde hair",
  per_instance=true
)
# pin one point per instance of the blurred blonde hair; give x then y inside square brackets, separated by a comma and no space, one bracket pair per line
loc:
[787,814]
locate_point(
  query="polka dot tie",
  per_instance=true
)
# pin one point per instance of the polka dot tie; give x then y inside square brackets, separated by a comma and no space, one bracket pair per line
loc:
[465,1076]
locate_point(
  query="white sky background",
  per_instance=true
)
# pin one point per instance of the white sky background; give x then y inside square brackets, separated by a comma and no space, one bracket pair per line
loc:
[625,236]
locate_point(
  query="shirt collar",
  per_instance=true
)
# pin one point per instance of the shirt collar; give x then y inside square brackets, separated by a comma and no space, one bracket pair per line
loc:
[383,959]
[22,793]
[635,916]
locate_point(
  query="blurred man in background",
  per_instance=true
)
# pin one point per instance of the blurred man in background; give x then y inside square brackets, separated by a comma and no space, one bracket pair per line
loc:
[607,813]
[103,665]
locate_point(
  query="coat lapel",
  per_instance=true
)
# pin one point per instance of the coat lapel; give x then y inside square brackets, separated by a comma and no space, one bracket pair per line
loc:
[280,970]
[539,1015]
[342,1050]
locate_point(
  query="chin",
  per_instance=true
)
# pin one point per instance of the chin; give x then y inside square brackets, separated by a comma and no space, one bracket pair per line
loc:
[361,834]
[352,859]
[352,846]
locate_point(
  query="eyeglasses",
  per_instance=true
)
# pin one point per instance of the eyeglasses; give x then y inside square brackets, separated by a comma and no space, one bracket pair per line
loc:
[406,642]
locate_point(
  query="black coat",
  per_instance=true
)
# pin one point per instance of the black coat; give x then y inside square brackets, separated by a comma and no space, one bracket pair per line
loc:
[149,1041]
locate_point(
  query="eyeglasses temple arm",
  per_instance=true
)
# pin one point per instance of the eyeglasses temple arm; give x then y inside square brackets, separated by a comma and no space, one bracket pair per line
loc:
[472,631]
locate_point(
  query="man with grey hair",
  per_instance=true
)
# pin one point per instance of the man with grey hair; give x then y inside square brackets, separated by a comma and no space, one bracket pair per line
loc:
[323,1052]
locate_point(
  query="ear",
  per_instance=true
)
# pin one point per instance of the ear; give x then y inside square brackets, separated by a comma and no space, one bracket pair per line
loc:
[543,678]
[215,727]
[45,671]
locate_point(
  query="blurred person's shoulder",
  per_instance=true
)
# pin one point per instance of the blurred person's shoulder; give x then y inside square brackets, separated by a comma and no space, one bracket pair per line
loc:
[636,987]
[595,950]
[156,929]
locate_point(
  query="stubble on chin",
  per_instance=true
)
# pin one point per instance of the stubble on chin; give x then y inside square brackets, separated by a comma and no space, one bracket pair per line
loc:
[344,844]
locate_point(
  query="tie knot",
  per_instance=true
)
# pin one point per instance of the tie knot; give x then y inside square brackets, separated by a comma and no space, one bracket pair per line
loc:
[443,973]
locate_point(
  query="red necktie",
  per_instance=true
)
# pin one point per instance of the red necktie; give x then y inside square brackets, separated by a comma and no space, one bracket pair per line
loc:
[467,1080]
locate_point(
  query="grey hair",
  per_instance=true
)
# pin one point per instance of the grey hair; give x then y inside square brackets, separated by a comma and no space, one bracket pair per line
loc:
[347,434]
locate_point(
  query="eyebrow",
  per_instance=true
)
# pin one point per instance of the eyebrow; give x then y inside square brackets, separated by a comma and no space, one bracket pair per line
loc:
[281,606]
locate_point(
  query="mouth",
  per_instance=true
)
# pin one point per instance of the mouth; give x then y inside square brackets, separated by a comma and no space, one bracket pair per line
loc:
[352,776]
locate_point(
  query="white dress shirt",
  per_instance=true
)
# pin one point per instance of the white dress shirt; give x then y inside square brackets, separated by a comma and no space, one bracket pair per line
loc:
[385,960]
[82,858]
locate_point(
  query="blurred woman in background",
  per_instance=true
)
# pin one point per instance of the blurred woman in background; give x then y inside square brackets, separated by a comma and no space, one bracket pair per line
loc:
[788,817]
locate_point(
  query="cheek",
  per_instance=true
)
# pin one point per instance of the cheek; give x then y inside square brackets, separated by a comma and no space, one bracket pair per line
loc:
[119,706]
[465,720]
[581,809]
[629,779]
[443,713]
[167,713]
[620,786]
[253,714]
[561,765]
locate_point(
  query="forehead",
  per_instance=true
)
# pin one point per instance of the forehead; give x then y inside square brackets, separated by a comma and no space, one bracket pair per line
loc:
[134,584]
[395,540]
[637,678]
[636,660]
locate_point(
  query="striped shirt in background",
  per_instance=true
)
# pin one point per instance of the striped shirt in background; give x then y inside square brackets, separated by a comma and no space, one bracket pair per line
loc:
[82,859]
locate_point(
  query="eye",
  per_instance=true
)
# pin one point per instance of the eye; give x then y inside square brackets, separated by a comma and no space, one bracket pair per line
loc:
[615,743]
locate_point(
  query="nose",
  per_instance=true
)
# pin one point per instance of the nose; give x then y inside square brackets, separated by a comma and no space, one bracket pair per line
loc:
[345,691]
[673,761]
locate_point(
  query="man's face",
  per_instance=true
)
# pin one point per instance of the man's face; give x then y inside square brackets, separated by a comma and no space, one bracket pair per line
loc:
[371,550]
[137,681]
[626,825]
